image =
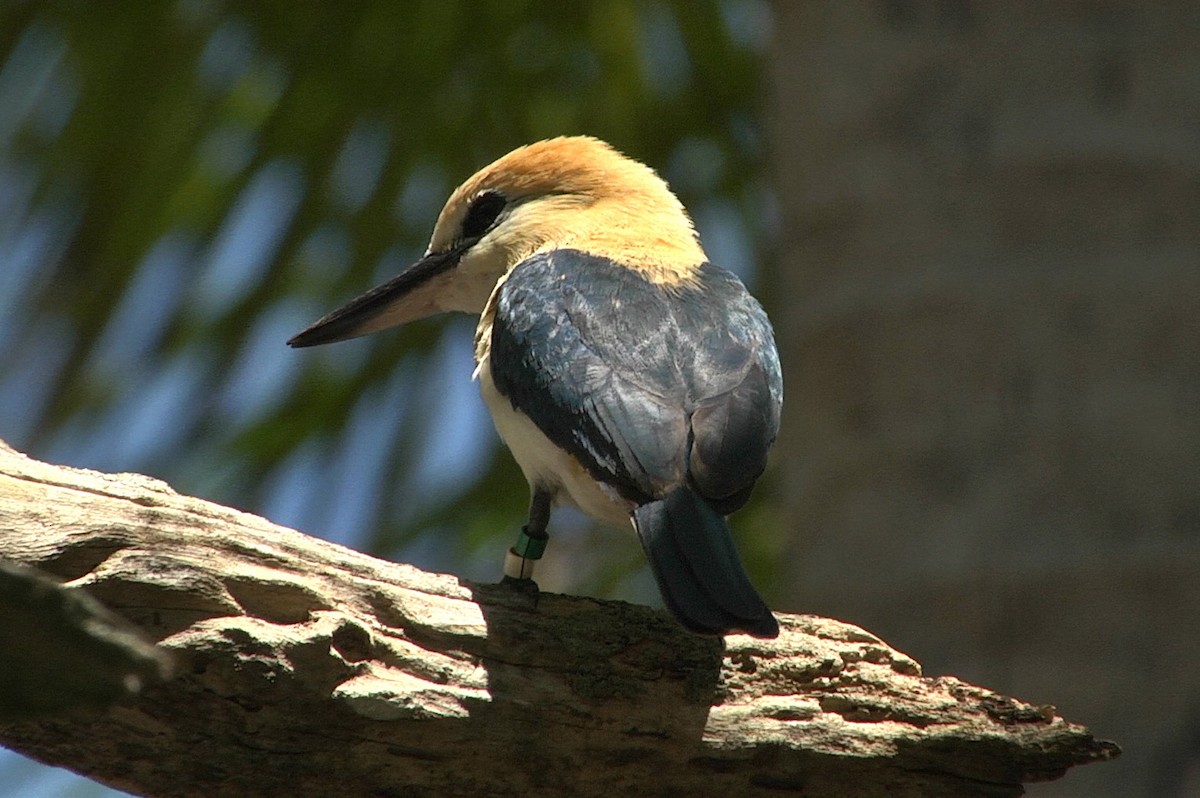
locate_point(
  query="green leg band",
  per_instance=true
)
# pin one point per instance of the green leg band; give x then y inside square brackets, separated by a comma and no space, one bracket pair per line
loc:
[529,548]
[520,559]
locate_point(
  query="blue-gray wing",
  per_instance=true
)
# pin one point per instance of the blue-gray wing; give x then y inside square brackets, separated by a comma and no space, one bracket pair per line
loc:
[648,388]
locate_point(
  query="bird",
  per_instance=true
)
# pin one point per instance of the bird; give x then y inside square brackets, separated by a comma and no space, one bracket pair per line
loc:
[628,375]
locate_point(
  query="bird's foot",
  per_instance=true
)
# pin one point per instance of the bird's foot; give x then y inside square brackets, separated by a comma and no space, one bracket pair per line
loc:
[519,563]
[524,592]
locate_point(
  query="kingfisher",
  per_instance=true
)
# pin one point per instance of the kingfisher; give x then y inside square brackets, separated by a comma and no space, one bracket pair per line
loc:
[628,375]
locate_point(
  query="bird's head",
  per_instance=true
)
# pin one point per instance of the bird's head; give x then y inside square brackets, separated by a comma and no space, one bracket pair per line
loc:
[572,192]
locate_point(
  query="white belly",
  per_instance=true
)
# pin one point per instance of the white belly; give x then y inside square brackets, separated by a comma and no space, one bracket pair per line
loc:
[545,465]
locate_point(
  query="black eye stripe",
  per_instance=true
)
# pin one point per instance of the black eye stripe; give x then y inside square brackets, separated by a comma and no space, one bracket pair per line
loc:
[484,211]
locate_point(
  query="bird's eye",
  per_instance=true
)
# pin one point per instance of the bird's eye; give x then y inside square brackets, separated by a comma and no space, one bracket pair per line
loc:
[482,214]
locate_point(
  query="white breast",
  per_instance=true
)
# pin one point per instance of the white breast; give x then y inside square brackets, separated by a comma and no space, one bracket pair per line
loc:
[545,465]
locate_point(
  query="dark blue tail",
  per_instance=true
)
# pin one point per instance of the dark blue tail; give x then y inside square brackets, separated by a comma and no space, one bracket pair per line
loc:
[698,570]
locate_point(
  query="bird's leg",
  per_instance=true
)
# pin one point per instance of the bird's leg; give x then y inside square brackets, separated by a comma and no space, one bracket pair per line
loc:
[531,542]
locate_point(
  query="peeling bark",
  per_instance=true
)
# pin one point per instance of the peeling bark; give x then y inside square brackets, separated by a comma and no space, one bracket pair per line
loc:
[304,668]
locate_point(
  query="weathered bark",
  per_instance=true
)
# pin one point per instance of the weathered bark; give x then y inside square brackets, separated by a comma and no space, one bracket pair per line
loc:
[305,668]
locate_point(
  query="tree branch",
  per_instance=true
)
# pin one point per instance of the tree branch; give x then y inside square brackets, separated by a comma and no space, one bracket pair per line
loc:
[304,668]
[61,649]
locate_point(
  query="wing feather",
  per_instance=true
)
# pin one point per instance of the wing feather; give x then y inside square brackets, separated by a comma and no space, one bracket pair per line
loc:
[648,388]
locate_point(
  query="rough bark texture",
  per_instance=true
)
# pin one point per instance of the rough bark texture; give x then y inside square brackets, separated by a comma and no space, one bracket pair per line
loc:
[305,668]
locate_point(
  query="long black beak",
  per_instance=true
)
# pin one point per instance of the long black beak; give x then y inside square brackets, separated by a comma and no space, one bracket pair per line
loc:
[410,295]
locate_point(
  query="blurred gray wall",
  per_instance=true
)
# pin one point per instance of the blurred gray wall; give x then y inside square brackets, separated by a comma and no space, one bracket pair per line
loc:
[989,302]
